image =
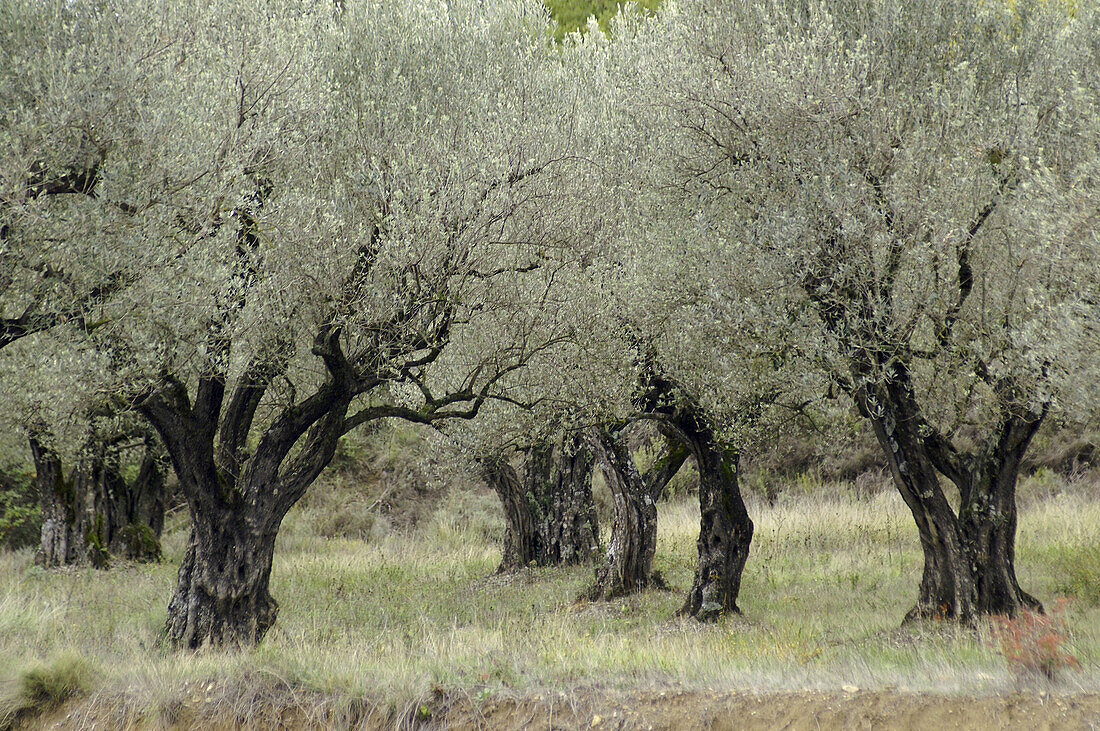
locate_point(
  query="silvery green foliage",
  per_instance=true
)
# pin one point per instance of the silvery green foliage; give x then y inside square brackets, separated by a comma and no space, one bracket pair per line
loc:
[405,171]
[884,152]
[681,294]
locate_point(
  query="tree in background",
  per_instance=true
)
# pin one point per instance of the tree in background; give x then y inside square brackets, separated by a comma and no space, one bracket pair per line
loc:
[46,284]
[549,515]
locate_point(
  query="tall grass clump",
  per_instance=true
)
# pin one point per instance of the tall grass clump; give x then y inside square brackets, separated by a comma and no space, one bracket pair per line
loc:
[45,686]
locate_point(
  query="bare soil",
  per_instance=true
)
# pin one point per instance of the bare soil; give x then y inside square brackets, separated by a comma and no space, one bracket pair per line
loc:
[794,711]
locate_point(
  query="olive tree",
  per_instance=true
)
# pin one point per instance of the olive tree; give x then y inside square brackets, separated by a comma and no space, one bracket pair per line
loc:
[921,178]
[90,510]
[340,214]
[707,359]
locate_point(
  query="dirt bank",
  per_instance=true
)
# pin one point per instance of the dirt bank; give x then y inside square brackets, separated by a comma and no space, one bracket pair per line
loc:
[794,711]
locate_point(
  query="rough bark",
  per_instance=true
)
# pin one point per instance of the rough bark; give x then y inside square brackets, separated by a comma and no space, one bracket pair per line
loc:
[628,564]
[947,585]
[550,517]
[969,558]
[127,517]
[561,483]
[725,530]
[988,519]
[95,514]
[62,541]
[221,595]
[238,501]
[521,539]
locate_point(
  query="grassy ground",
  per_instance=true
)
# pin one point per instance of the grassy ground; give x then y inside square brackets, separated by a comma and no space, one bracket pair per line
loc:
[384,621]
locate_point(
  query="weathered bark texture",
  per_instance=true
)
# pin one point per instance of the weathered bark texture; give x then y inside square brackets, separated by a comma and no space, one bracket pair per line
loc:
[550,517]
[628,564]
[127,517]
[238,499]
[725,530]
[988,516]
[521,539]
[95,514]
[947,583]
[561,482]
[62,540]
[969,558]
[221,595]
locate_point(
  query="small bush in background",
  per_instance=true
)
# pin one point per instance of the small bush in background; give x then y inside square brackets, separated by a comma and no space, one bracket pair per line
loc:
[20,515]
[1033,643]
[1078,574]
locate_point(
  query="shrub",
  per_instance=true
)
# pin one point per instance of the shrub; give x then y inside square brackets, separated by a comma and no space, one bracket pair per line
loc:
[1032,643]
[20,515]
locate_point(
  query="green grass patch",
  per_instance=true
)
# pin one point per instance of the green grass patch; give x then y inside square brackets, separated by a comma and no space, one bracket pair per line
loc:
[386,620]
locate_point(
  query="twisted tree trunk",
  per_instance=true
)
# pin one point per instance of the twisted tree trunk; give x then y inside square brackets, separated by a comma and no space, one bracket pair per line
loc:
[725,530]
[126,517]
[221,595]
[988,519]
[237,499]
[947,583]
[969,558]
[628,564]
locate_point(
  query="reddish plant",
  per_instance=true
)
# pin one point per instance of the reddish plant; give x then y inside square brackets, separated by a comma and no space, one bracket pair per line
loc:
[1032,642]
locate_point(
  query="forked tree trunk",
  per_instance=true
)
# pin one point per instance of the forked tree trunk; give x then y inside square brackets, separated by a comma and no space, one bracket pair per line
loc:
[221,595]
[969,559]
[238,499]
[725,530]
[628,564]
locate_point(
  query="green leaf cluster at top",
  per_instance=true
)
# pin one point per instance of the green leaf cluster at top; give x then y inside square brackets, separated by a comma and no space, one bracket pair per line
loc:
[572,15]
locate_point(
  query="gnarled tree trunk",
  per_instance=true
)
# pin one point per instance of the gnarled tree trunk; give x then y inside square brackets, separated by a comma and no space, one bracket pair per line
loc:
[725,530]
[628,564]
[969,559]
[238,499]
[127,517]
[561,483]
[988,519]
[62,541]
[221,595]
[550,517]
[947,585]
